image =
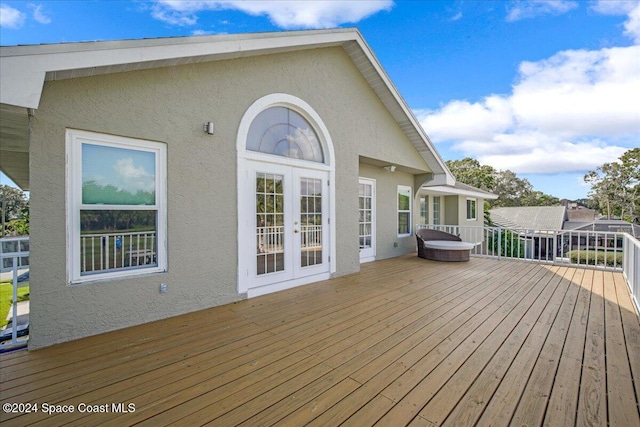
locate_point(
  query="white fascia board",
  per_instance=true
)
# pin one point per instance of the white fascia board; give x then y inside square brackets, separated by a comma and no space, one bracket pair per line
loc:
[24,68]
[20,86]
[449,179]
[452,191]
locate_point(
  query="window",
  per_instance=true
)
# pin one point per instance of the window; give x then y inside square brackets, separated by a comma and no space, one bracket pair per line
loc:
[436,210]
[424,209]
[404,210]
[283,132]
[471,209]
[117,206]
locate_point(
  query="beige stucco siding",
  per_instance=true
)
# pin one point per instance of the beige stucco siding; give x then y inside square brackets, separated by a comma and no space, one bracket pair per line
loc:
[388,243]
[170,105]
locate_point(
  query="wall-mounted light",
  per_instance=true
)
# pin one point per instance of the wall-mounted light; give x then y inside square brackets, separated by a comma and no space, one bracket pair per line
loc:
[208,128]
[390,168]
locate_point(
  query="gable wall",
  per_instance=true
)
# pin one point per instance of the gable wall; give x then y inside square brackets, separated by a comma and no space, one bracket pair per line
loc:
[170,105]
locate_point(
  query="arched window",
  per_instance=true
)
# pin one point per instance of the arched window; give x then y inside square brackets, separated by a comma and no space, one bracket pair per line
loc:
[283,132]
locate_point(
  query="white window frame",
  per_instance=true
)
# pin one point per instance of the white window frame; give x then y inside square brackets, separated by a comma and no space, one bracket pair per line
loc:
[74,141]
[424,213]
[437,209]
[475,209]
[404,188]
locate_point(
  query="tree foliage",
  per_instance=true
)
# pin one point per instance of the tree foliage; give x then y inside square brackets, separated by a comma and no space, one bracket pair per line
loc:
[15,206]
[510,189]
[615,187]
[469,171]
[14,202]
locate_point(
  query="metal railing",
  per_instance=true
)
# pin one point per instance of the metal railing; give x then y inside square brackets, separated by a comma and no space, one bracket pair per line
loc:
[100,252]
[271,238]
[311,236]
[631,267]
[14,255]
[600,250]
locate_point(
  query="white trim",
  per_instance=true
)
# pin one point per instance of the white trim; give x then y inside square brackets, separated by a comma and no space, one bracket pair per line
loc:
[245,157]
[74,141]
[466,208]
[398,211]
[433,210]
[372,252]
[442,190]
[275,287]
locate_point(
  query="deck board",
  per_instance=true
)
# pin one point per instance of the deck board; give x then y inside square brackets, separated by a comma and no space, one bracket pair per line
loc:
[404,342]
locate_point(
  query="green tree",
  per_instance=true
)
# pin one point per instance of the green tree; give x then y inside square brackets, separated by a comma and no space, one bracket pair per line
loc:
[511,190]
[469,171]
[14,208]
[538,198]
[615,187]
[14,202]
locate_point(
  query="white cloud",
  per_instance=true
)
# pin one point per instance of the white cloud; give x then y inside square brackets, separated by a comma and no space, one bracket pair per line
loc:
[173,17]
[631,8]
[284,13]
[614,7]
[518,10]
[38,14]
[632,26]
[570,112]
[580,93]
[131,178]
[550,155]
[457,16]
[10,17]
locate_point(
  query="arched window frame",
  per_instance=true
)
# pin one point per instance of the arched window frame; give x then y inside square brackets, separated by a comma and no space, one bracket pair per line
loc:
[303,109]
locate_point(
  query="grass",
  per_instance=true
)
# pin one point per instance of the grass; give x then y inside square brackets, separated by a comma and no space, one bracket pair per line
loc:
[6,297]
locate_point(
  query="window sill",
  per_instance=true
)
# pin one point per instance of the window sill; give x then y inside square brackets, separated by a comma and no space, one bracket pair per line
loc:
[116,275]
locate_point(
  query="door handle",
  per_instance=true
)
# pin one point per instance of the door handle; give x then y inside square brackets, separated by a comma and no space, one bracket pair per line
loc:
[296,231]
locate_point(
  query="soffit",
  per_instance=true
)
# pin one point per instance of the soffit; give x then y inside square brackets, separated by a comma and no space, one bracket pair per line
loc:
[14,144]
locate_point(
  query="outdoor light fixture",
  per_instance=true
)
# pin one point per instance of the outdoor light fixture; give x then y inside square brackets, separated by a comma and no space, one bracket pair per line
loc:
[390,168]
[208,128]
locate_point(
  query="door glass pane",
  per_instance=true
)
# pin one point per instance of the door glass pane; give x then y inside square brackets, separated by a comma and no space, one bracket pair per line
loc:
[269,223]
[365,215]
[310,222]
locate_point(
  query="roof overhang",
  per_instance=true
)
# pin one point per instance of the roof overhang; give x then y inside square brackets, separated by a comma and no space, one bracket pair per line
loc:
[14,144]
[446,190]
[24,69]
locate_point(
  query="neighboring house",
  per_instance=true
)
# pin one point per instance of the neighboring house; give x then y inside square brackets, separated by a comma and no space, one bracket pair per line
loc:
[535,225]
[541,224]
[604,225]
[173,175]
[457,205]
[530,217]
[577,212]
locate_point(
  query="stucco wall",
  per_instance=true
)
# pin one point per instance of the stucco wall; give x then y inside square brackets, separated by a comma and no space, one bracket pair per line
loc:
[450,216]
[388,243]
[170,105]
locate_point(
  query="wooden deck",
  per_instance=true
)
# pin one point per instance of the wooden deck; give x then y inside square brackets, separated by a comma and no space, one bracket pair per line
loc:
[405,342]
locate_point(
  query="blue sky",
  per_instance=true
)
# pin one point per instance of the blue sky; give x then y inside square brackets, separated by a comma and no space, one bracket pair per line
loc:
[547,89]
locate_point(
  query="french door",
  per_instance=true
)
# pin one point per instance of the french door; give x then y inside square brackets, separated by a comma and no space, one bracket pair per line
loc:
[289,225]
[367,221]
